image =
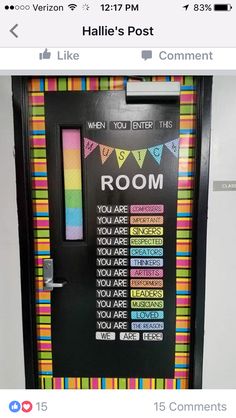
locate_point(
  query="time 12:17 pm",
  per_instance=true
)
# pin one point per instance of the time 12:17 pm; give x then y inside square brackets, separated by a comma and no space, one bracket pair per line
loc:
[117,7]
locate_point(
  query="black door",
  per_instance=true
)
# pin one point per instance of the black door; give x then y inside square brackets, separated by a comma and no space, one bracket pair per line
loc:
[113,173]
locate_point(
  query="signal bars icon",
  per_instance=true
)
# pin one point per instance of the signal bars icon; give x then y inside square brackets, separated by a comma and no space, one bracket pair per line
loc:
[72,6]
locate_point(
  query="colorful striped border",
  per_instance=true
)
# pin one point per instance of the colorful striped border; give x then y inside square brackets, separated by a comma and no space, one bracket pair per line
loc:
[37,137]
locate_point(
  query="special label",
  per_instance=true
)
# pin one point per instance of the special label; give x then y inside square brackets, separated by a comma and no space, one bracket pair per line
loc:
[147,315]
[105,336]
[153,336]
[129,336]
[146,209]
[144,326]
[146,252]
[146,262]
[140,283]
[146,293]
[146,220]
[148,242]
[147,304]
[146,230]
[146,273]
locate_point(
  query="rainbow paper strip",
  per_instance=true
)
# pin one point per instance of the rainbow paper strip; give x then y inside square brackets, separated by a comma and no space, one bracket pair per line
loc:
[71,144]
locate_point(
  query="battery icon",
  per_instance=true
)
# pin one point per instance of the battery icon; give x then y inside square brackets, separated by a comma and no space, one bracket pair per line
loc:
[222,7]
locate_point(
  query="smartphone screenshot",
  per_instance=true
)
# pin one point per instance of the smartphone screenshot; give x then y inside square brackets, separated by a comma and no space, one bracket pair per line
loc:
[117,215]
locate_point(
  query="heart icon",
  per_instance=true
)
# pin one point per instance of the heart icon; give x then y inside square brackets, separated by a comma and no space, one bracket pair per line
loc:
[26,406]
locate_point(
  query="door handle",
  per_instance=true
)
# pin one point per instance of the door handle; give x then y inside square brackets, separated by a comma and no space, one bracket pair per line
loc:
[48,277]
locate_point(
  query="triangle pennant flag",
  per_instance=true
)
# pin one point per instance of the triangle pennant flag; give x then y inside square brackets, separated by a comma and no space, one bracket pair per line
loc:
[156,152]
[173,146]
[105,152]
[139,155]
[121,155]
[89,146]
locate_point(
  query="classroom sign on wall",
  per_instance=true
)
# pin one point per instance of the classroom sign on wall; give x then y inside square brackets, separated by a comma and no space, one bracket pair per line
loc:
[124,312]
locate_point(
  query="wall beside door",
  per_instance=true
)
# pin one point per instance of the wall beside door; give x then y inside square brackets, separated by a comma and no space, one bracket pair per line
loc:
[11,346]
[220,312]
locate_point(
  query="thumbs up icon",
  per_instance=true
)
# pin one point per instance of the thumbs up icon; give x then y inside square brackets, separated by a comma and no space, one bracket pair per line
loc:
[45,55]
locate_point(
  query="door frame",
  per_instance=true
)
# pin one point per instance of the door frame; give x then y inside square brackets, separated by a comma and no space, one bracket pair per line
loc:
[25,216]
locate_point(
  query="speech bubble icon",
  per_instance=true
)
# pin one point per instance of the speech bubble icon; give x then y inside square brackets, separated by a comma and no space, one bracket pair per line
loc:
[146,54]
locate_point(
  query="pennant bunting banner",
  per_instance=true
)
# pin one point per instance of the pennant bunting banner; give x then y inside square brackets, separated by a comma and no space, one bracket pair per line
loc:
[89,146]
[121,155]
[139,156]
[173,146]
[105,152]
[156,152]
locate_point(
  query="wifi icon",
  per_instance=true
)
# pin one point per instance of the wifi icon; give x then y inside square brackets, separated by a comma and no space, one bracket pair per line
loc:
[72,6]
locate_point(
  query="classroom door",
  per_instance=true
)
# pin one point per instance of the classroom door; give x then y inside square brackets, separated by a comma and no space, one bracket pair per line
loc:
[113,194]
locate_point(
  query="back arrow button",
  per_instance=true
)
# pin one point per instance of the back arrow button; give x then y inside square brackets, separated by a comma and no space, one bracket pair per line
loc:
[12,30]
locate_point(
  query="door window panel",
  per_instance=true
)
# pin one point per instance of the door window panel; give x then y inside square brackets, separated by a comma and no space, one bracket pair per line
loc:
[71,145]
